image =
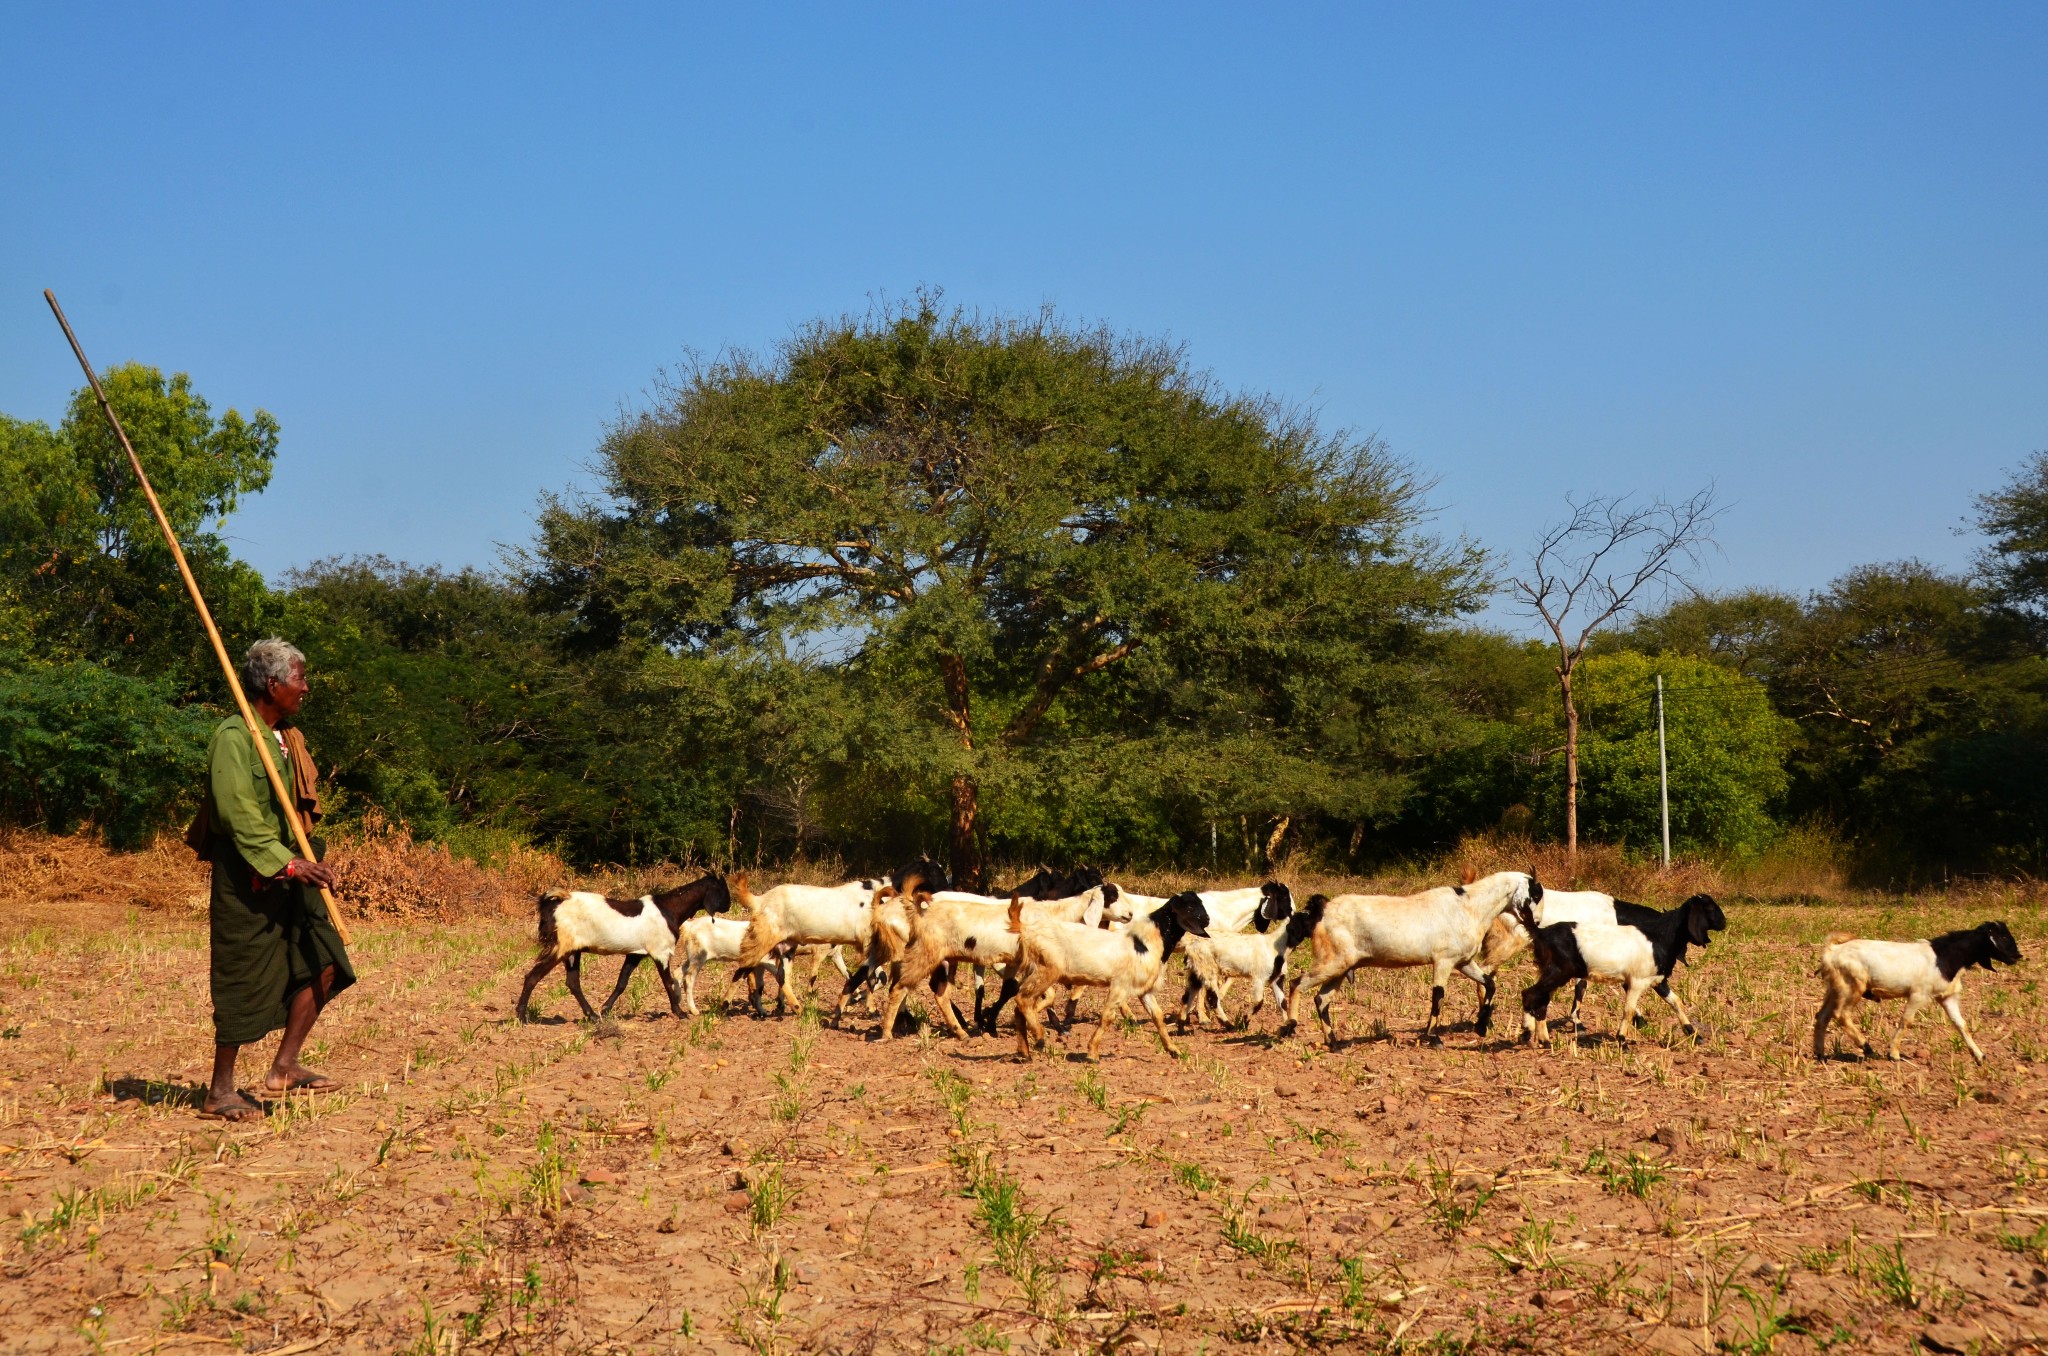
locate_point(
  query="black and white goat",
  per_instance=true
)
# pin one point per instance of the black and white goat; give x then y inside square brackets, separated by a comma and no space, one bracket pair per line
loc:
[1259,956]
[1639,954]
[576,922]
[1232,910]
[1507,937]
[1128,961]
[1923,973]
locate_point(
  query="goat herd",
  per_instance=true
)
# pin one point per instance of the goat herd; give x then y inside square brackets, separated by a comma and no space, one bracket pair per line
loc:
[1073,930]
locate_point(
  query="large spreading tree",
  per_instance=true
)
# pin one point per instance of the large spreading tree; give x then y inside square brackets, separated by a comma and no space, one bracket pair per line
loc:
[1053,549]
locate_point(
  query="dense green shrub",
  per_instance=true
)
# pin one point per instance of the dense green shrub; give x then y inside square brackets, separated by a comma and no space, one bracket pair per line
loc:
[80,745]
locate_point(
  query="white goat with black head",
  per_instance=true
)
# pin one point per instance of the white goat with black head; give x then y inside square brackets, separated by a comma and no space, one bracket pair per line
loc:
[1128,961]
[1442,928]
[1639,954]
[1259,956]
[1923,973]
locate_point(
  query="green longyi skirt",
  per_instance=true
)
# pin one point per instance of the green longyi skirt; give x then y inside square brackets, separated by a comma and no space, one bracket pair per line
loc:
[268,943]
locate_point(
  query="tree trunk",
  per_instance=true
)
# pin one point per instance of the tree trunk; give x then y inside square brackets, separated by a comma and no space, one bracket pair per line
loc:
[965,855]
[965,860]
[1571,772]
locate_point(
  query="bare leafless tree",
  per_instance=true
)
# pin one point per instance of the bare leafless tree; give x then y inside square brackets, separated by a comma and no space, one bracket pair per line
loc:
[1600,563]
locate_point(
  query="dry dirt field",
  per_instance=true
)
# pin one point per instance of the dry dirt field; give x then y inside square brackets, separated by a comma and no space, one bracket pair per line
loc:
[732,1184]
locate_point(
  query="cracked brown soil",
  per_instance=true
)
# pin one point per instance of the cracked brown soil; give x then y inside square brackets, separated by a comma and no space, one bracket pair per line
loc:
[732,1184]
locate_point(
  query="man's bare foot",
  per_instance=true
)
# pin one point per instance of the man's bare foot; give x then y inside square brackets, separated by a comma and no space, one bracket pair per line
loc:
[298,1078]
[234,1108]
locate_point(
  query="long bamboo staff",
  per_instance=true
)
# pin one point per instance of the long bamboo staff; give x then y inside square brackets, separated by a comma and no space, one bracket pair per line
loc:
[257,730]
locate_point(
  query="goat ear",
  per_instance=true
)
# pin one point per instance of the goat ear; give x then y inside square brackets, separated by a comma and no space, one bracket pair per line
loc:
[1535,890]
[1471,874]
[1696,924]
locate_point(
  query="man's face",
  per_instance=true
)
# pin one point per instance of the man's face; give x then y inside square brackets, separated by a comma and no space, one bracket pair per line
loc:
[288,694]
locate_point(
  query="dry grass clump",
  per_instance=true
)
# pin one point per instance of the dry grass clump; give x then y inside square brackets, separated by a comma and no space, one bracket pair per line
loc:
[39,868]
[384,873]
[1599,867]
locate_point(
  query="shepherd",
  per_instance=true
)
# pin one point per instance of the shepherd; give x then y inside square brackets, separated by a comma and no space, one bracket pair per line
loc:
[277,959]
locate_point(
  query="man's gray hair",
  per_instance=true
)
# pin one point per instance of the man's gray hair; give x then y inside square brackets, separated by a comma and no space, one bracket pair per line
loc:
[268,661]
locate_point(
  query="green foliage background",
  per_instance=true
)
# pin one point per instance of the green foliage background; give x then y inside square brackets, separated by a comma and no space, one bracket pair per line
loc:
[657,677]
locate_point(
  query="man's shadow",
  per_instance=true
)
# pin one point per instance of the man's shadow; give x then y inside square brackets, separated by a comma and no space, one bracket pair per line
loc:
[157,1092]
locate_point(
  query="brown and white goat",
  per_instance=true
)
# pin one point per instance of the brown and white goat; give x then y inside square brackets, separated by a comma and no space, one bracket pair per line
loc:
[1128,961]
[578,922]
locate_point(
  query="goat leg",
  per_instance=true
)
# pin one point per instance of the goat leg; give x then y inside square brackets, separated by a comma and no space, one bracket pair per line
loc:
[626,969]
[1821,1024]
[675,994]
[1953,1006]
[1663,988]
[548,961]
[572,965]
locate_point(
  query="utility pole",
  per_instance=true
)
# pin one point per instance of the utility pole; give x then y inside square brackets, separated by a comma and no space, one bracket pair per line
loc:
[1663,774]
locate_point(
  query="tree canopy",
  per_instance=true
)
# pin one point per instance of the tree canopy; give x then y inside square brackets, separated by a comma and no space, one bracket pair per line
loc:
[1034,539]
[1035,592]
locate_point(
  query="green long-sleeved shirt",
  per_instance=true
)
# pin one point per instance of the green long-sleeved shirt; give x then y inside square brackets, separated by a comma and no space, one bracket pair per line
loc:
[244,809]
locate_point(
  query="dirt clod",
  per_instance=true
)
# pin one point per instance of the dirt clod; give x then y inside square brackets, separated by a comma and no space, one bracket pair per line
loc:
[1955,1338]
[1154,1219]
[736,1201]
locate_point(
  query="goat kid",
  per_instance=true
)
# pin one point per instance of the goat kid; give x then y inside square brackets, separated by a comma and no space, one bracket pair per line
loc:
[576,922]
[1260,956]
[1639,954]
[1128,962]
[806,915]
[705,939]
[1442,928]
[1923,973]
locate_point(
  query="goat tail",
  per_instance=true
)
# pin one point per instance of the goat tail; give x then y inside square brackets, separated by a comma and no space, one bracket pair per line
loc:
[892,935]
[755,946]
[736,886]
[549,901]
[1837,938]
[1017,914]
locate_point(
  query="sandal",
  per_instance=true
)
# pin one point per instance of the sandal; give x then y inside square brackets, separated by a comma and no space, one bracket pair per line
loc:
[234,1109]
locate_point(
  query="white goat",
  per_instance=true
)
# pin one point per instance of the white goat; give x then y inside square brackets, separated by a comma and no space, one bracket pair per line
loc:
[1261,957]
[1129,962]
[1441,928]
[804,915]
[706,939]
[1922,973]
[954,929]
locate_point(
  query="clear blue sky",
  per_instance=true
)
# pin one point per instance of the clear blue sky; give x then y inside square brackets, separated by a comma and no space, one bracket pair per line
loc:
[1798,250]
